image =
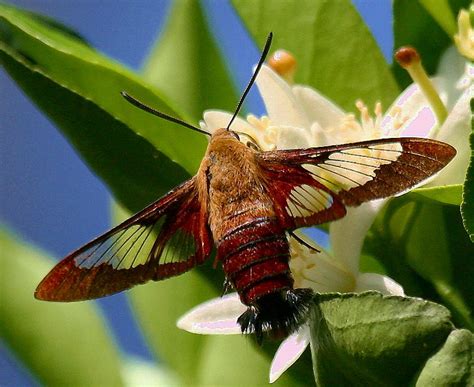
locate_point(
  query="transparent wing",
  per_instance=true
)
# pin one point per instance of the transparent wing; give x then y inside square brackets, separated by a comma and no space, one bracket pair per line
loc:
[165,239]
[312,186]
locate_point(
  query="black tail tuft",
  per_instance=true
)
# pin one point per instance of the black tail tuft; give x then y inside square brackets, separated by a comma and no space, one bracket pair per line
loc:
[278,314]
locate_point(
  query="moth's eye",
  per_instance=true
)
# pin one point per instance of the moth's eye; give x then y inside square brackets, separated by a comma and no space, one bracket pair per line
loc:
[236,136]
[252,145]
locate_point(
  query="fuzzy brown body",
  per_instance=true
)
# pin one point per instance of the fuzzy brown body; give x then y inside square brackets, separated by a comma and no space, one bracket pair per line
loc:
[251,244]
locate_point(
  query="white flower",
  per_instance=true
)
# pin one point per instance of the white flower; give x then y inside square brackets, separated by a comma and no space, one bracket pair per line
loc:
[299,117]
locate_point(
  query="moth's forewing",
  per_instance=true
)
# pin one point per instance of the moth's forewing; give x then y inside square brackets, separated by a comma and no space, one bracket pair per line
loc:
[165,239]
[313,186]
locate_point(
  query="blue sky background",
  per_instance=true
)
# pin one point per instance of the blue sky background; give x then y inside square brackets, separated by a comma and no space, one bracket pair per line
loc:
[47,195]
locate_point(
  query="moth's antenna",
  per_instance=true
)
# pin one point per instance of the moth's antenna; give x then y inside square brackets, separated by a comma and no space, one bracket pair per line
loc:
[155,112]
[254,76]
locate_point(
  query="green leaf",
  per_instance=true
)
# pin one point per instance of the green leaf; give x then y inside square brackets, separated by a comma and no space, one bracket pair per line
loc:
[101,140]
[227,353]
[158,307]
[424,247]
[426,222]
[68,62]
[54,24]
[370,339]
[369,264]
[187,65]
[461,253]
[448,194]
[61,343]
[467,206]
[414,26]
[415,23]
[434,258]
[139,372]
[453,364]
[234,361]
[441,12]
[329,40]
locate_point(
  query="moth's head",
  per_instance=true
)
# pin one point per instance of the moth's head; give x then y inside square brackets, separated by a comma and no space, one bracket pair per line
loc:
[224,134]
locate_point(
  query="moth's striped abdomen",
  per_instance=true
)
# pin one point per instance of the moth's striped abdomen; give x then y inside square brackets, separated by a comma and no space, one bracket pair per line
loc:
[255,258]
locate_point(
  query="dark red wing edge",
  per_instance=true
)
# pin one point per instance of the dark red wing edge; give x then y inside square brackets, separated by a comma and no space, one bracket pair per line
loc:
[439,150]
[179,210]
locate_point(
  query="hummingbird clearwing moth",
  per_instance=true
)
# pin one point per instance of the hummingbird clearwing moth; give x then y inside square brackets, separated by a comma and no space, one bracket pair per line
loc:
[246,203]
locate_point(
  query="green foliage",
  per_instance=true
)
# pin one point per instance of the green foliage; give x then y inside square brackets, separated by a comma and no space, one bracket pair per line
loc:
[312,31]
[453,364]
[158,307]
[443,257]
[232,360]
[370,339]
[441,11]
[59,343]
[451,194]
[204,85]
[424,247]
[417,23]
[467,206]
[70,63]
[101,140]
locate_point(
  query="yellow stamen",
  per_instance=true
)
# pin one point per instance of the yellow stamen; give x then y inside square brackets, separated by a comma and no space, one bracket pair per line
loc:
[284,64]
[464,39]
[364,112]
[378,114]
[410,60]
[378,109]
[398,119]
[261,123]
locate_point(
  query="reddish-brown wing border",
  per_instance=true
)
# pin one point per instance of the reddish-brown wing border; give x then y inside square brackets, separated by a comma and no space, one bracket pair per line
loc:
[75,279]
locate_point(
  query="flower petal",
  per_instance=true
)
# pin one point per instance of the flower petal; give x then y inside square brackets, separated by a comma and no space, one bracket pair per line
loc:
[409,115]
[318,271]
[347,234]
[215,317]
[216,119]
[288,137]
[282,106]
[455,131]
[317,107]
[381,283]
[288,352]
[451,69]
